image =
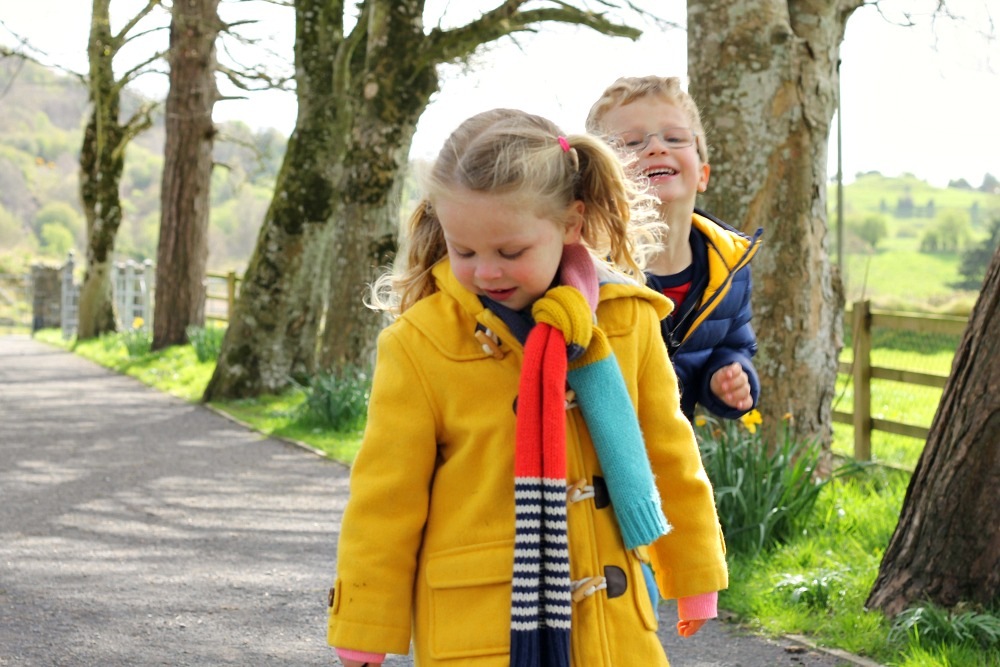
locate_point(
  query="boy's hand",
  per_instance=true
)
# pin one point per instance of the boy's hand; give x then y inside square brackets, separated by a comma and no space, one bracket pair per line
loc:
[356,663]
[689,628]
[732,386]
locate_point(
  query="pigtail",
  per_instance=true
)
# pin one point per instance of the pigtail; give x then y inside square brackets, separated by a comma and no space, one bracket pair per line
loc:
[621,221]
[395,291]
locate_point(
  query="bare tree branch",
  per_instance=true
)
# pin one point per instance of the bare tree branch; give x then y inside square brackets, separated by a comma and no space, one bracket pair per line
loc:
[507,19]
[123,35]
[243,79]
[139,122]
[137,71]
[25,51]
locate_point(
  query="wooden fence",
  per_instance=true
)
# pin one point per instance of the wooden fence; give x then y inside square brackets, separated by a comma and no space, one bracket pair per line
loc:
[862,320]
[220,295]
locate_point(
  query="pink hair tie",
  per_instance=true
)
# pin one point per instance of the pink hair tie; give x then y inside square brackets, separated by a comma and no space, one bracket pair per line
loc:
[564,142]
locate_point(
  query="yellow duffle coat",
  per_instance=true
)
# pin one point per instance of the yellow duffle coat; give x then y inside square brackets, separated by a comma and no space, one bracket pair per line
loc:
[427,542]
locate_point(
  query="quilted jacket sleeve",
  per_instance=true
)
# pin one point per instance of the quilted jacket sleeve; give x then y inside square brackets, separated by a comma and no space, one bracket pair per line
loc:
[739,345]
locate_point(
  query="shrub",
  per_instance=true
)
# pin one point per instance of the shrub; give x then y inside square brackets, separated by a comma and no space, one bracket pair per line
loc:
[871,229]
[206,341]
[929,625]
[137,340]
[338,400]
[816,591]
[764,495]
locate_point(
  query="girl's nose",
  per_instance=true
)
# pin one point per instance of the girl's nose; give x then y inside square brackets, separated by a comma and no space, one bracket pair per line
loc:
[487,270]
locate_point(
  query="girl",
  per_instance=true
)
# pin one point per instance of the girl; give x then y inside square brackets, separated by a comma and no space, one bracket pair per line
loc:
[496,516]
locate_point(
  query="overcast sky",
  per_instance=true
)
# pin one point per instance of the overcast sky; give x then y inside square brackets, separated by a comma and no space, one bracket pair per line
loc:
[922,100]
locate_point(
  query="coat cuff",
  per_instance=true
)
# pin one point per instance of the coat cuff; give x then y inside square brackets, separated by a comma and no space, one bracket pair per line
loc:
[698,607]
[360,656]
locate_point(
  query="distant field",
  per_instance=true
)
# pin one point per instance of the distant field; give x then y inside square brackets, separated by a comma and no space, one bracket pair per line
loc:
[897,275]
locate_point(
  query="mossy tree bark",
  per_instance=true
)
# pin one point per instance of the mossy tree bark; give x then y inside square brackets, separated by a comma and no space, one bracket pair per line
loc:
[766,79]
[182,252]
[946,546]
[334,218]
[102,160]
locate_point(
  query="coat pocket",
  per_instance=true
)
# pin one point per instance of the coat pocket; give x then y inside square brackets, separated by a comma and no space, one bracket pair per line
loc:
[468,602]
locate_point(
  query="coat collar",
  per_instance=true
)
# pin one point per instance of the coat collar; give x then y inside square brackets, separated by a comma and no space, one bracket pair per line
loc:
[451,317]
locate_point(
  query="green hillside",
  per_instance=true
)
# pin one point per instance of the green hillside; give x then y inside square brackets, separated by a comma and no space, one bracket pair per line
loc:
[904,240]
[42,115]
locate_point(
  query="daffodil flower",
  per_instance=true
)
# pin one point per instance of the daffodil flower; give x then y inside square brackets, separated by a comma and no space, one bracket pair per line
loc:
[751,419]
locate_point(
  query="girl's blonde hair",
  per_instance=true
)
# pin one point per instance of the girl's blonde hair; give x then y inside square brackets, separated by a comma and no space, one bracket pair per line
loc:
[631,88]
[526,159]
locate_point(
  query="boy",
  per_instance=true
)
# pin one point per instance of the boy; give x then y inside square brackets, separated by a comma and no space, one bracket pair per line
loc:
[704,265]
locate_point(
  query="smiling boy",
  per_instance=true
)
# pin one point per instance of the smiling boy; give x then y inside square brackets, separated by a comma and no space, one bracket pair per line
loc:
[704,265]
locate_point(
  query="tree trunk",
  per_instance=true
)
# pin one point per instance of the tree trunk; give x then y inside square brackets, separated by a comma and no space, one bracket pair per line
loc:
[101,167]
[364,242]
[765,77]
[946,547]
[273,329]
[386,107]
[102,160]
[182,253]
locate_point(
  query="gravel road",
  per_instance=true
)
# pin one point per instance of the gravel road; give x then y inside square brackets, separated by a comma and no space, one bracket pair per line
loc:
[138,530]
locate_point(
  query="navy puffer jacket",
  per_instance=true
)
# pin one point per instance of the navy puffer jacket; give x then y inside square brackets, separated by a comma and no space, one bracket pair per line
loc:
[711,328]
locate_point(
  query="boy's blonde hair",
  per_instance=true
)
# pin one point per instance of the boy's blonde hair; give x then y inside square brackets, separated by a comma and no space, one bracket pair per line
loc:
[525,159]
[631,88]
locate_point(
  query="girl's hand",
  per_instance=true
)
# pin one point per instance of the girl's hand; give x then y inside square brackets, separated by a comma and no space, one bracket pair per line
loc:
[358,663]
[689,628]
[732,386]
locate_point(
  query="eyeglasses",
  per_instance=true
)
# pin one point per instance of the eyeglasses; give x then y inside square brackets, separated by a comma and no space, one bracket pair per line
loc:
[671,137]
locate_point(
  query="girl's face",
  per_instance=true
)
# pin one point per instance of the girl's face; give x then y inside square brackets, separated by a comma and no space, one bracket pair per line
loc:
[502,250]
[676,175]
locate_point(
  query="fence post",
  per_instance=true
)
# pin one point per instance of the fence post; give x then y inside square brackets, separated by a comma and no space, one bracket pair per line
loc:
[128,301]
[862,381]
[230,295]
[69,313]
[147,286]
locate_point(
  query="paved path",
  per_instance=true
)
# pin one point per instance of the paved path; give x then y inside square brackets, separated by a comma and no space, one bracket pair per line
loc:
[139,530]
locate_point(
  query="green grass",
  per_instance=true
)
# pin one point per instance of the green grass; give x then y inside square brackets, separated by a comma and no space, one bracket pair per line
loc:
[817,584]
[279,416]
[888,278]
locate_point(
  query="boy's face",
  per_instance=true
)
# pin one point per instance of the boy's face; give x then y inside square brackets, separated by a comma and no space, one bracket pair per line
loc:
[676,175]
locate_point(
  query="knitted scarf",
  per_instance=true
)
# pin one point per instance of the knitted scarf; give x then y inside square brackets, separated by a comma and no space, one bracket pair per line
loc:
[541,603]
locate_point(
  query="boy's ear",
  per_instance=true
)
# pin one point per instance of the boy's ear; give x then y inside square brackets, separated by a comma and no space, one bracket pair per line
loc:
[706,169]
[574,223]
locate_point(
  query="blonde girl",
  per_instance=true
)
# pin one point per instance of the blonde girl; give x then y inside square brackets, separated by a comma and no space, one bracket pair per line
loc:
[525,459]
